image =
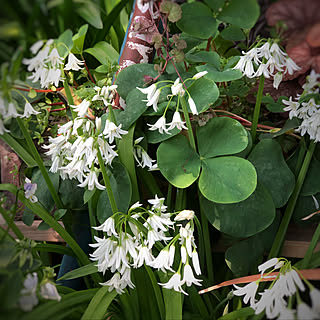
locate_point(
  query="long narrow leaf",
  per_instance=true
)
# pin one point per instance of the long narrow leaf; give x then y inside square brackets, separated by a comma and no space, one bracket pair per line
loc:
[80,272]
[173,303]
[99,304]
[238,314]
[48,247]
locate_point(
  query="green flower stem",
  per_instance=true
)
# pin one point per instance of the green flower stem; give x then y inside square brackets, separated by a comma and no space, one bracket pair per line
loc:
[315,239]
[92,219]
[256,112]
[69,95]
[188,123]
[107,184]
[11,224]
[111,114]
[279,239]
[33,150]
[169,196]
[180,199]
[207,245]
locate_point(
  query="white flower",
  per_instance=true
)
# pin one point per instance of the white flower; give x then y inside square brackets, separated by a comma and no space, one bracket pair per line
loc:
[30,190]
[12,112]
[91,181]
[54,58]
[291,66]
[315,300]
[174,283]
[277,80]
[164,260]
[159,125]
[292,107]
[73,63]
[177,88]
[154,236]
[287,314]
[108,227]
[183,253]
[146,161]
[2,128]
[186,236]
[49,291]
[28,111]
[195,262]
[112,131]
[144,256]
[184,215]
[274,262]
[304,312]
[36,46]
[248,291]
[199,75]
[82,108]
[177,122]
[188,276]
[153,95]
[157,203]
[192,106]
[28,295]
[119,260]
[114,283]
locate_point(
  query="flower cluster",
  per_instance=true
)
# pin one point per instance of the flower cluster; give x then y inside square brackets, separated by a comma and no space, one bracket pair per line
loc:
[130,241]
[142,157]
[307,107]
[30,190]
[47,65]
[153,95]
[31,291]
[267,60]
[276,301]
[74,152]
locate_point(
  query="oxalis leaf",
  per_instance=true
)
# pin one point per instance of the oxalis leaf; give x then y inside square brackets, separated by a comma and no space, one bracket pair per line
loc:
[272,170]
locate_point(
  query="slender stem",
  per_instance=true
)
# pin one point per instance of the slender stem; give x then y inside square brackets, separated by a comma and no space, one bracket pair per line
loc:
[169,197]
[11,224]
[179,199]
[256,112]
[279,239]
[107,184]
[188,122]
[33,150]
[92,219]
[69,96]
[312,246]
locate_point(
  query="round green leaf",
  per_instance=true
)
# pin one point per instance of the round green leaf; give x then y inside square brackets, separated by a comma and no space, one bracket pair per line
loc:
[121,187]
[221,136]
[227,179]
[178,162]
[204,92]
[132,77]
[242,219]
[197,20]
[210,57]
[242,13]
[273,171]
[233,33]
[220,76]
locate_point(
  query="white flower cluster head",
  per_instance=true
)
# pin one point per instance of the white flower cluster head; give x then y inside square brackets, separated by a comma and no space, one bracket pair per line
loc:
[267,60]
[30,293]
[307,108]
[130,241]
[47,65]
[276,301]
[153,95]
[8,110]
[74,152]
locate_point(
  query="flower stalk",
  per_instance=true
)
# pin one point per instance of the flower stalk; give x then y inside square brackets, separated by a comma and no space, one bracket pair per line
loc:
[188,123]
[256,112]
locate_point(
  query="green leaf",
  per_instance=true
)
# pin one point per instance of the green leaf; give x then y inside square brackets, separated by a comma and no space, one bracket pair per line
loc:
[233,33]
[78,39]
[43,226]
[242,313]
[215,5]
[197,20]
[242,13]
[134,109]
[210,57]
[178,162]
[219,76]
[104,68]
[99,304]
[91,13]
[204,93]
[132,77]
[227,136]
[28,217]
[227,179]
[60,213]
[121,187]
[32,93]
[272,171]
[68,187]
[57,248]
[64,43]
[242,219]
[104,53]
[244,257]
[88,194]
[80,272]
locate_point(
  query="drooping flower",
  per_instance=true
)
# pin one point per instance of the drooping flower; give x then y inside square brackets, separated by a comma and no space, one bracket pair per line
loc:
[108,227]
[188,277]
[73,63]
[49,291]
[30,190]
[174,283]
[153,95]
[91,181]
[28,295]
[112,131]
[160,125]
[28,111]
[248,291]
[82,108]
[177,122]
[163,261]
[273,262]
[199,75]
[158,203]
[177,88]
[305,312]
[184,215]
[192,106]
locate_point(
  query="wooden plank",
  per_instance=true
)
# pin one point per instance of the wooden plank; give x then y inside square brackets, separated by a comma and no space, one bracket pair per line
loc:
[33,233]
